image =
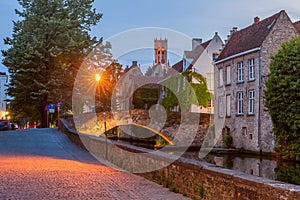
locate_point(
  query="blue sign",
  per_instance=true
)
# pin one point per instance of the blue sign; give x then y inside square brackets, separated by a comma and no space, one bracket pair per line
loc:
[59,104]
[52,106]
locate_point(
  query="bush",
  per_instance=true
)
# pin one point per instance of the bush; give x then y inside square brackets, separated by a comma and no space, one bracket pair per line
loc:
[227,141]
[283,98]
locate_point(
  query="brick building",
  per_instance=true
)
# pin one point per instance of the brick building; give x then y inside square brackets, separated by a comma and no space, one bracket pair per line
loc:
[241,71]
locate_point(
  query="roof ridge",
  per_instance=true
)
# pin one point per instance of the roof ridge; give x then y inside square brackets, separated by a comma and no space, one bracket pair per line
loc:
[249,37]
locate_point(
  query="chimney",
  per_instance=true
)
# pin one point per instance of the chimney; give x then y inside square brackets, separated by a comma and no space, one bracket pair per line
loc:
[196,42]
[256,19]
[134,64]
[234,29]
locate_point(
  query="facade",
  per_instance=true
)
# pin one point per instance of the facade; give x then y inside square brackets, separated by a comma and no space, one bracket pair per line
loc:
[3,96]
[241,71]
[200,60]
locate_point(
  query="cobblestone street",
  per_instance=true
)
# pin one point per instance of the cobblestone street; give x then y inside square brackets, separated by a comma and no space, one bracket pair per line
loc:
[44,164]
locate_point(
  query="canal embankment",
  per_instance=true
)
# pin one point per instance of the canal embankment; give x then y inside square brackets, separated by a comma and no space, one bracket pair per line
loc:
[195,179]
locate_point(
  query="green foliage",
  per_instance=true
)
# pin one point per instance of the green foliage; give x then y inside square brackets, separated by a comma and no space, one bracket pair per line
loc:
[174,189]
[186,89]
[144,96]
[283,98]
[201,192]
[46,49]
[227,141]
[160,143]
[288,172]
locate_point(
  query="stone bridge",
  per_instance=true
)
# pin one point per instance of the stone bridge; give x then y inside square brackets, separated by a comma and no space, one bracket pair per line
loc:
[164,124]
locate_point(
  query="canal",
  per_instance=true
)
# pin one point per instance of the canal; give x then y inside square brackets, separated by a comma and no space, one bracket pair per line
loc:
[288,172]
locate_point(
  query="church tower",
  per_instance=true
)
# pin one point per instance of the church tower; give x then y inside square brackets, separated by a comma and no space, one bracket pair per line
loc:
[160,51]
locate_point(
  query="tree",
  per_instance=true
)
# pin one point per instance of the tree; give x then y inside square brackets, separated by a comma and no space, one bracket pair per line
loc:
[283,98]
[46,49]
[109,79]
[178,93]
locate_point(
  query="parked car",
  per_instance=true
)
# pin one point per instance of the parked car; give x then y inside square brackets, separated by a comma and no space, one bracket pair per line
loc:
[14,126]
[5,125]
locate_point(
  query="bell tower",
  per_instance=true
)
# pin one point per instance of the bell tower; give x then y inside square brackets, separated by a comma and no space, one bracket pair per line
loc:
[160,51]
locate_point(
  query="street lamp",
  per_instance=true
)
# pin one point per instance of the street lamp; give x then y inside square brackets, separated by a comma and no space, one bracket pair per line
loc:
[6,115]
[98,78]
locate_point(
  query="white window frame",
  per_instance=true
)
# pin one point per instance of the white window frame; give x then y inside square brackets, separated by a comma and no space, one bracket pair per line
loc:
[228,75]
[251,99]
[221,81]
[221,114]
[240,99]
[228,102]
[251,70]
[240,72]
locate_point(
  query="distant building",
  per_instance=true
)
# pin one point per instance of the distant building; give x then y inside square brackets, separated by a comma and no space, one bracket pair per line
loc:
[241,71]
[3,95]
[200,59]
[160,65]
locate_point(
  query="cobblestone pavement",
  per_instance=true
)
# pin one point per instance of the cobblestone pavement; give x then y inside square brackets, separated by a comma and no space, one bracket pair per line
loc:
[43,164]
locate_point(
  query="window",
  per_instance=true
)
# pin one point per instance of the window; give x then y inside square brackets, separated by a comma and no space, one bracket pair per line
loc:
[210,104]
[221,107]
[228,80]
[240,97]
[251,70]
[251,102]
[215,55]
[240,72]
[228,105]
[221,77]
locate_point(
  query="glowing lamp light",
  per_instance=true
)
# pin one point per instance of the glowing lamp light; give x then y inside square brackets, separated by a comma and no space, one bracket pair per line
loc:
[97,77]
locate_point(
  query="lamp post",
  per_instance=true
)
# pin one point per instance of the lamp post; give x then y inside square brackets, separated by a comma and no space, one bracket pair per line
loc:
[98,78]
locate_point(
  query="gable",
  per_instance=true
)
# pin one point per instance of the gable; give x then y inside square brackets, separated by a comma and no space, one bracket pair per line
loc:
[249,38]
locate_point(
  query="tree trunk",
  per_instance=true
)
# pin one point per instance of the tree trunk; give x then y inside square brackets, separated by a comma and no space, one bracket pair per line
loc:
[43,114]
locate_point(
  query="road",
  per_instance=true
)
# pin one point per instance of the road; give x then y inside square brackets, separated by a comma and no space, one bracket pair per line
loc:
[44,164]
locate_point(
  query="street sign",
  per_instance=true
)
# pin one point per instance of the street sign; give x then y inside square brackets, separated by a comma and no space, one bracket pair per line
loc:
[52,108]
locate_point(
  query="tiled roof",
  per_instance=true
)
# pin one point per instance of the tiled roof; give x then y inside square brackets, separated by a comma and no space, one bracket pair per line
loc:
[178,66]
[205,44]
[297,26]
[195,53]
[198,52]
[248,38]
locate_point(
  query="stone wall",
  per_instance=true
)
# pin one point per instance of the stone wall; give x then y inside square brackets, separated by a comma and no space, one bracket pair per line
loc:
[194,179]
[243,127]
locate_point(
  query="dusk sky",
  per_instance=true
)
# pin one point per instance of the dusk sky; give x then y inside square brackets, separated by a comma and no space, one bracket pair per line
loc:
[190,18]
